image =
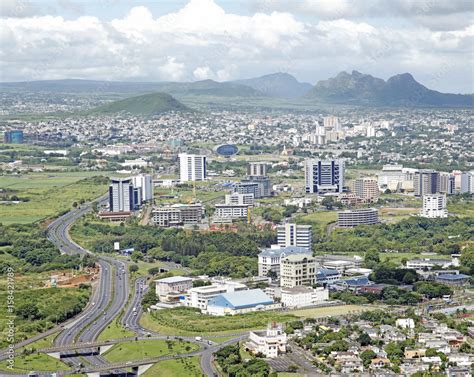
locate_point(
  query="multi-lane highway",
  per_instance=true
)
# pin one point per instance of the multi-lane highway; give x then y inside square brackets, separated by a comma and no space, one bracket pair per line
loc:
[109,297]
[131,317]
[108,301]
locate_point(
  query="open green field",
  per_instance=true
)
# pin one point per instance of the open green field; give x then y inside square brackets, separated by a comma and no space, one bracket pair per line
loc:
[48,194]
[115,331]
[145,349]
[184,367]
[186,321]
[330,311]
[36,362]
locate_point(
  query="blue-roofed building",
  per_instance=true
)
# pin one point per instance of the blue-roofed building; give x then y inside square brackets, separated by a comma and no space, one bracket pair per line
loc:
[327,275]
[240,302]
[269,259]
[353,283]
[453,279]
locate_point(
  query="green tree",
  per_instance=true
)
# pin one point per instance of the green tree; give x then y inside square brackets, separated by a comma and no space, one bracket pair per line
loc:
[367,357]
[133,268]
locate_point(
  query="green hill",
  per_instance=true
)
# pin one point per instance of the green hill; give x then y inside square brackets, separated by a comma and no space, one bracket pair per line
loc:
[146,105]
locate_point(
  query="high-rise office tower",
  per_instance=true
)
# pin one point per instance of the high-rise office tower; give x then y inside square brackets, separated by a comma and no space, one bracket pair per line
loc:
[295,235]
[144,182]
[257,169]
[324,176]
[447,183]
[121,195]
[426,181]
[467,182]
[367,189]
[192,167]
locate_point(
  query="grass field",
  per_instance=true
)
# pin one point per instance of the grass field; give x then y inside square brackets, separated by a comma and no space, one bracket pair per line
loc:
[42,343]
[184,367]
[36,362]
[115,331]
[145,349]
[185,321]
[48,194]
[330,311]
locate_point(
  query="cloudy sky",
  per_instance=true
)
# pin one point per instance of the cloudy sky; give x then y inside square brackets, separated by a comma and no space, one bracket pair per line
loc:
[188,40]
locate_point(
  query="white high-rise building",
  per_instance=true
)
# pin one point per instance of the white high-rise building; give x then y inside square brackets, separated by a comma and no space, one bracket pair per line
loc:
[467,182]
[434,206]
[257,169]
[145,183]
[324,176]
[331,122]
[192,167]
[121,198]
[236,198]
[294,235]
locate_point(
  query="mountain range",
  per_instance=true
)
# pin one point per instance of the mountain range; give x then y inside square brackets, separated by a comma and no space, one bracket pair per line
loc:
[399,90]
[346,89]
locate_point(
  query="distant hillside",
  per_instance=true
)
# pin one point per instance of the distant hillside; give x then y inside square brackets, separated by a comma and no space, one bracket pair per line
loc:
[280,84]
[210,88]
[205,87]
[400,90]
[145,105]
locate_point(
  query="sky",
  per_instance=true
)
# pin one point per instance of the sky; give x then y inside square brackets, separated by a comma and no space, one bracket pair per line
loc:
[190,40]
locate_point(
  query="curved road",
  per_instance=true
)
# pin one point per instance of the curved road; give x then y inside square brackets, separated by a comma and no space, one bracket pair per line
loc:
[109,297]
[108,300]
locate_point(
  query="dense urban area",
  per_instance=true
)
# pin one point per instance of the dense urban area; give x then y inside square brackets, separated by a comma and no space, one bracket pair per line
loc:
[236,242]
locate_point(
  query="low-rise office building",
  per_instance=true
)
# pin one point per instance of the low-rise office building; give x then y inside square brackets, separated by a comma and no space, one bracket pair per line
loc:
[239,199]
[172,285]
[199,297]
[270,342]
[240,302]
[434,206]
[231,211]
[303,296]
[355,217]
[177,214]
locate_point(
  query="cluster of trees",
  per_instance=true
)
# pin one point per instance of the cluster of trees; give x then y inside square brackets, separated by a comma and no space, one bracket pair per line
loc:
[232,364]
[386,274]
[37,310]
[415,234]
[432,289]
[212,253]
[33,252]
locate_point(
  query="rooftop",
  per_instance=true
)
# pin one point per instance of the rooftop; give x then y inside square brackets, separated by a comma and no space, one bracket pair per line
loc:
[173,279]
[283,251]
[241,299]
[453,277]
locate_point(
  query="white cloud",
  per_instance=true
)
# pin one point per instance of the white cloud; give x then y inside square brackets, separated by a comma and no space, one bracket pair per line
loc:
[202,40]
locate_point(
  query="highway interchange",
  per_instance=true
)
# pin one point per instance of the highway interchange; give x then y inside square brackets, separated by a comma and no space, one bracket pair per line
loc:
[108,301]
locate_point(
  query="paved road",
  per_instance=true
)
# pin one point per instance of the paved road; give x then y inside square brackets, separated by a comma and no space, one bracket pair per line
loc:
[108,299]
[131,317]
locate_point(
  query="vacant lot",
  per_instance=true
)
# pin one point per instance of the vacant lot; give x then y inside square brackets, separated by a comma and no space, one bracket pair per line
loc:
[330,311]
[187,321]
[45,195]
